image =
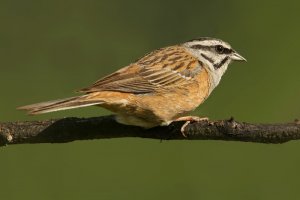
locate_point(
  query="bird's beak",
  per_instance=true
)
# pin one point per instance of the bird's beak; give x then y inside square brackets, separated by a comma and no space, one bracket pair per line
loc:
[237,57]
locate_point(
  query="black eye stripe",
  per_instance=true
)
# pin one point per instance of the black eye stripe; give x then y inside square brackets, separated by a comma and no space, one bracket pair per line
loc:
[199,46]
[227,51]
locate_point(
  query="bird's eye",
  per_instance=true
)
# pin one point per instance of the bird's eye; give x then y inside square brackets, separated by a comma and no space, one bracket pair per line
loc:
[220,49]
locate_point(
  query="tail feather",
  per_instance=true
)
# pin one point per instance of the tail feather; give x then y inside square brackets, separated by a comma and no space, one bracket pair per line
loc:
[61,104]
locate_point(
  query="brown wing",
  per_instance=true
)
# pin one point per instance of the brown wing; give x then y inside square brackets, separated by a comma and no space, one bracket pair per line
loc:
[161,69]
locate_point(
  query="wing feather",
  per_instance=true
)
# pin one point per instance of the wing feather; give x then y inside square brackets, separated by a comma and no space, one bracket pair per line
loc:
[161,69]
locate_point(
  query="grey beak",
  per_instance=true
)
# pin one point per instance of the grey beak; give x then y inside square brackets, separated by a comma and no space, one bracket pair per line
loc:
[237,57]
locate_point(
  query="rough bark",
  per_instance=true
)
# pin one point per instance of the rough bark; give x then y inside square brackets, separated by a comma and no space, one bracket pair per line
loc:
[71,129]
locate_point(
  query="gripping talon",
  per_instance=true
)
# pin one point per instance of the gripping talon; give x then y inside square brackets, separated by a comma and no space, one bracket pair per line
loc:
[183,128]
[188,120]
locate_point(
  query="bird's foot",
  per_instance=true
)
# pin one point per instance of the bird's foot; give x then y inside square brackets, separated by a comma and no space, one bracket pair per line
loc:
[188,120]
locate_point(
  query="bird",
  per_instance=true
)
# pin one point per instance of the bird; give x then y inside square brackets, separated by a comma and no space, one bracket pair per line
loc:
[157,89]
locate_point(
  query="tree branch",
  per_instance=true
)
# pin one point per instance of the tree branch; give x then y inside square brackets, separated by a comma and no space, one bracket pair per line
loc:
[71,129]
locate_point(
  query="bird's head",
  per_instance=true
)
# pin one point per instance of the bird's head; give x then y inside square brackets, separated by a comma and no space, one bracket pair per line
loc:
[214,53]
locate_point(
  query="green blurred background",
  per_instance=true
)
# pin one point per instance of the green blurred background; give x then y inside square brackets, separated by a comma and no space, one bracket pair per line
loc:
[48,49]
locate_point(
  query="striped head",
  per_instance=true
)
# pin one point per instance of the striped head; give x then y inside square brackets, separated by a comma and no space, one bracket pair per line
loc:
[215,54]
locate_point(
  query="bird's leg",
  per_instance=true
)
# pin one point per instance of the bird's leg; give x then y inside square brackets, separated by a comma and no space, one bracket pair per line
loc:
[188,120]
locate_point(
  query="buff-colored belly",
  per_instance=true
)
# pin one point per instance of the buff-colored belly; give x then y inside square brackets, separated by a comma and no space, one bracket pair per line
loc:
[159,108]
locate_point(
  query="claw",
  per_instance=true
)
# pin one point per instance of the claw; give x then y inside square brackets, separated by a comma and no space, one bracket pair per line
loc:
[183,128]
[188,120]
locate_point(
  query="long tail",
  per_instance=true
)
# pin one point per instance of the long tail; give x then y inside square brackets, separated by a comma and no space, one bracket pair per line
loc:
[61,104]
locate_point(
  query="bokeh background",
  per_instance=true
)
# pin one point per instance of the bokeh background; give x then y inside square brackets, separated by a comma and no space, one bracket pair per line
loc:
[48,49]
